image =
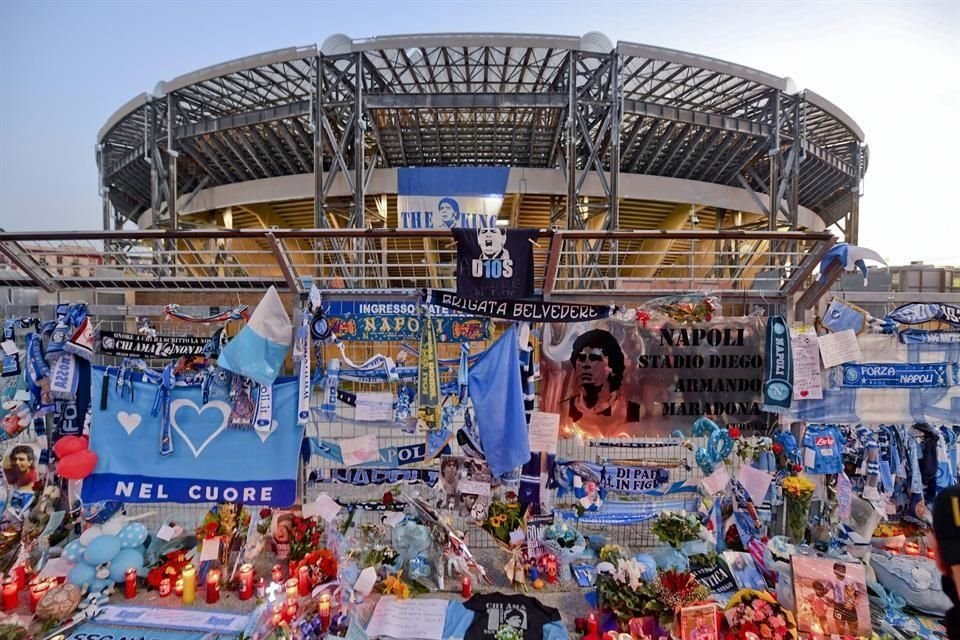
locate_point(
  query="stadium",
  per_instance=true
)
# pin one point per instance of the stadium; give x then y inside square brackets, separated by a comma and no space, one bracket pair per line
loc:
[647,168]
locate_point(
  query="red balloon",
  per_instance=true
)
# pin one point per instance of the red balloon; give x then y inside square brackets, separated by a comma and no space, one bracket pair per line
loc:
[70,444]
[78,465]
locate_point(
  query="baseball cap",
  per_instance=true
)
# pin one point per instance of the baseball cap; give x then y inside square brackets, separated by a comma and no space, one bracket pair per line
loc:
[946,524]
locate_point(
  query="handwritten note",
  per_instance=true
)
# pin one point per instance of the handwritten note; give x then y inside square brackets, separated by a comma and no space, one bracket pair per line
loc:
[544,430]
[374,406]
[473,487]
[210,549]
[839,348]
[806,364]
[717,481]
[324,506]
[415,619]
[755,481]
[359,450]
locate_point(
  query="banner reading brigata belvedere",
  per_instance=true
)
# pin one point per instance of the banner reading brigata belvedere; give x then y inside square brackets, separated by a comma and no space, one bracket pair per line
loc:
[450,197]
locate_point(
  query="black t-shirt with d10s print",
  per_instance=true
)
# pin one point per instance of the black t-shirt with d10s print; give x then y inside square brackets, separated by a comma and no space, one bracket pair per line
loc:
[495,263]
[494,610]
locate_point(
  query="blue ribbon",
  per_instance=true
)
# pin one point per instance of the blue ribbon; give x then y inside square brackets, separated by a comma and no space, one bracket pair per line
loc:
[161,407]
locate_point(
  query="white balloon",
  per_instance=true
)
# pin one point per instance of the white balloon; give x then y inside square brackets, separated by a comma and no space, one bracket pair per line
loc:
[90,534]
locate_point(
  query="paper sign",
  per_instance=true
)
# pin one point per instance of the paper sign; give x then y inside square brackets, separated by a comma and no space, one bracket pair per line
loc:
[324,506]
[210,549]
[172,618]
[364,584]
[806,364]
[517,536]
[755,481]
[544,431]
[717,481]
[473,487]
[374,406]
[356,451]
[393,518]
[166,533]
[9,347]
[838,348]
[420,618]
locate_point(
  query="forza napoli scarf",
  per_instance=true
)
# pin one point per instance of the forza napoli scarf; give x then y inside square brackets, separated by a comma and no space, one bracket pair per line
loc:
[778,385]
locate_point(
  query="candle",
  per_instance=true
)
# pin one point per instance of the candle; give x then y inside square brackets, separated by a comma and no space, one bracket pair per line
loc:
[290,610]
[261,588]
[189,574]
[213,586]
[276,574]
[11,594]
[246,581]
[466,589]
[292,587]
[593,626]
[323,608]
[37,591]
[303,580]
[130,583]
[165,587]
[178,587]
[277,616]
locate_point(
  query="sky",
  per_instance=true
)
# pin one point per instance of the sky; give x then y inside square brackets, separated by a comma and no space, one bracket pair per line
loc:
[892,66]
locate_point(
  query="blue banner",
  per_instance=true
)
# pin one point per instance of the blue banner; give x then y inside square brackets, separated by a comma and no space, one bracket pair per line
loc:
[895,375]
[210,462]
[918,336]
[400,456]
[92,631]
[396,328]
[449,197]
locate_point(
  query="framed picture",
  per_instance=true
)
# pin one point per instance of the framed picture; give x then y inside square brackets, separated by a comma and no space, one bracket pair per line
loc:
[831,597]
[464,486]
[699,622]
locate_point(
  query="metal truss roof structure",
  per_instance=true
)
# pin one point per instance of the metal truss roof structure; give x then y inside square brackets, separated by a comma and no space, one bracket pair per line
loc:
[581,106]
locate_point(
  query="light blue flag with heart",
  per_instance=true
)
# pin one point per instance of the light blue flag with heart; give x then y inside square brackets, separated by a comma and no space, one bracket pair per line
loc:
[210,462]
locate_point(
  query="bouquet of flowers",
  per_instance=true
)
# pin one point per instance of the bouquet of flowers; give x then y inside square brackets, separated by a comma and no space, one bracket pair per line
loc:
[756,614]
[378,554]
[798,492]
[678,589]
[224,522]
[502,518]
[305,535]
[626,594]
[612,553]
[565,543]
[676,528]
[322,566]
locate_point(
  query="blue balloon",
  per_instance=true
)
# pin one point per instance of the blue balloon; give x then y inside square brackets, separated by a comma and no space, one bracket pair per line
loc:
[102,549]
[126,559]
[132,535]
[73,551]
[81,574]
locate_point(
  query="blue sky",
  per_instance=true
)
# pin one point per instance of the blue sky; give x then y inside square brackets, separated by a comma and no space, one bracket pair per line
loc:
[891,66]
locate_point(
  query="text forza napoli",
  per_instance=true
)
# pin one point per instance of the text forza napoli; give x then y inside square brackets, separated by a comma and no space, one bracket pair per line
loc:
[749,384]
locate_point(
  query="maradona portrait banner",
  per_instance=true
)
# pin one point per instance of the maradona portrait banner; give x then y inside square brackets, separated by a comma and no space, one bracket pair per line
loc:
[613,378]
[211,461]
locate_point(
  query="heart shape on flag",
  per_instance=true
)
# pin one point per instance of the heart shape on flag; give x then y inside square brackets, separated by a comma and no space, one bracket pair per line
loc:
[129,421]
[263,434]
[218,405]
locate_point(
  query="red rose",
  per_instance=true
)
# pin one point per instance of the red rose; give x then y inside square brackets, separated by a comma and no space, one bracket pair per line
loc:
[301,527]
[777,448]
[734,432]
[798,468]
[264,514]
[211,529]
[388,498]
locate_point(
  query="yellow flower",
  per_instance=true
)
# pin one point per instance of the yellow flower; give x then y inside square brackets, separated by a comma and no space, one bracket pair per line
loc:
[798,486]
[393,585]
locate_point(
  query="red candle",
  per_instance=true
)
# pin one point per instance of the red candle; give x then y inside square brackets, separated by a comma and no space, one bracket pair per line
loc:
[466,588]
[593,626]
[178,588]
[37,591]
[213,586]
[277,617]
[290,610]
[303,579]
[11,594]
[261,588]
[292,587]
[130,584]
[246,581]
[276,574]
[21,575]
[323,608]
[165,587]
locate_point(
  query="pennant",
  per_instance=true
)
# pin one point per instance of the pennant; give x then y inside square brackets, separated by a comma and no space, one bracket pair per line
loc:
[428,383]
[778,385]
[258,351]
